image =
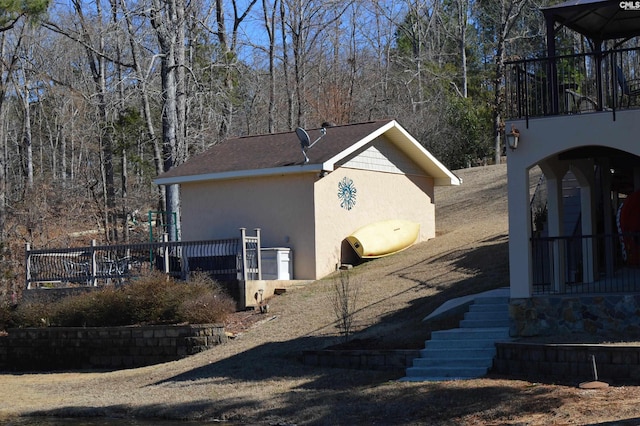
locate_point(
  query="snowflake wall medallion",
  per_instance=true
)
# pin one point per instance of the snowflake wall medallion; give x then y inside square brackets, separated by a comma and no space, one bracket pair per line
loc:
[347,193]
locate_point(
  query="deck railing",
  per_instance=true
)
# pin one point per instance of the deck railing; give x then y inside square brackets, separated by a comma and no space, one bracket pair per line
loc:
[586,264]
[94,265]
[570,84]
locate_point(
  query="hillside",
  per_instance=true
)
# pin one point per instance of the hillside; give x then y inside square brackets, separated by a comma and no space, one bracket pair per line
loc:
[469,255]
[257,378]
[259,368]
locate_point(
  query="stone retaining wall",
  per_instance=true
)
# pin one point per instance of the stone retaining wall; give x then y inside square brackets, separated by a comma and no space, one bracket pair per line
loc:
[72,348]
[568,363]
[388,360]
[605,315]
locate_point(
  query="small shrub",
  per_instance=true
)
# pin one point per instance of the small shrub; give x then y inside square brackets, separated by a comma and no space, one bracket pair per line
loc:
[5,316]
[32,314]
[152,299]
[207,301]
[106,307]
[343,298]
[73,311]
[212,308]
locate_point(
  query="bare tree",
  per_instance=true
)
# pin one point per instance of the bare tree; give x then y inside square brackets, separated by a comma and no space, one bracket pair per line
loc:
[463,9]
[143,76]
[503,15]
[305,22]
[229,52]
[269,14]
[344,299]
[22,80]
[168,21]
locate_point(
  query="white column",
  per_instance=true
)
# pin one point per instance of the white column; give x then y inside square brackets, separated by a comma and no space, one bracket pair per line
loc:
[556,229]
[520,270]
[609,216]
[585,173]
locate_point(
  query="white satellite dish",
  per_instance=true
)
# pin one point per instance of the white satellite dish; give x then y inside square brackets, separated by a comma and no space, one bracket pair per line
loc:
[305,140]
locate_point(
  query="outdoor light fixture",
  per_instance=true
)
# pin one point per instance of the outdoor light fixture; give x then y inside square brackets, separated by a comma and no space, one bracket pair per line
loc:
[513,138]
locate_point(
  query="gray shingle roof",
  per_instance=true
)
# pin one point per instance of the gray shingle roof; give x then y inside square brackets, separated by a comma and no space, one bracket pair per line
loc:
[281,153]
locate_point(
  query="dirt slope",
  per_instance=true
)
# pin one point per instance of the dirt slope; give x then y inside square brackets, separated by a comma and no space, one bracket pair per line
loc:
[257,378]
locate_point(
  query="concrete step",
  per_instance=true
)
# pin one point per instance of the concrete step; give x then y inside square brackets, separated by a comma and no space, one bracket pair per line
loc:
[489,333]
[467,324]
[433,378]
[486,315]
[436,355]
[448,373]
[488,323]
[457,345]
[490,300]
[466,352]
[490,307]
[462,360]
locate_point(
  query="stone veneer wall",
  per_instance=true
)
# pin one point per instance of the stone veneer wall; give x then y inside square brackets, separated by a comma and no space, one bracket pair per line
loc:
[608,315]
[71,348]
[385,360]
[568,363]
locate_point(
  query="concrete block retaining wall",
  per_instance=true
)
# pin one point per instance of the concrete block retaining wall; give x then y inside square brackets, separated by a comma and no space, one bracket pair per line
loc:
[66,348]
[388,360]
[568,363]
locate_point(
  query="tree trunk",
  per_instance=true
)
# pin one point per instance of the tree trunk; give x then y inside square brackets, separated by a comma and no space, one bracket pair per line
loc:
[269,23]
[144,100]
[26,135]
[166,19]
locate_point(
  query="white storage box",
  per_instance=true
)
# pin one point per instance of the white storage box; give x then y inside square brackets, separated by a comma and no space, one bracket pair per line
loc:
[276,263]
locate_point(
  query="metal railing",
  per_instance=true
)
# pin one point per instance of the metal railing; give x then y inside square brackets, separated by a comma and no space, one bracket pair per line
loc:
[586,264]
[570,84]
[224,259]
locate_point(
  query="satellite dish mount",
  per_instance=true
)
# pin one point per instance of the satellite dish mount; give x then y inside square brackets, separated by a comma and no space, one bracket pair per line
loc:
[305,141]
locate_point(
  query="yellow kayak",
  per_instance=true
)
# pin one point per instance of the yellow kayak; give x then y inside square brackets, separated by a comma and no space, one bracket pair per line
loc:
[383,238]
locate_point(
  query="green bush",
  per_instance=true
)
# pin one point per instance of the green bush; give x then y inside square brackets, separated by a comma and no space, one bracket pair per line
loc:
[153,299]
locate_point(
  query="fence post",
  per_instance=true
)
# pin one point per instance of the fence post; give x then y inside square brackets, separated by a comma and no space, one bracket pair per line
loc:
[165,254]
[28,266]
[94,264]
[258,254]
[243,242]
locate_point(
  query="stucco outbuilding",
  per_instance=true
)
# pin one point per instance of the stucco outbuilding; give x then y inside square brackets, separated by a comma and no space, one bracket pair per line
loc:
[355,175]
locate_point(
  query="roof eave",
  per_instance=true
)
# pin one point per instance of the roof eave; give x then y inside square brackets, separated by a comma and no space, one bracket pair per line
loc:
[239,174]
[442,175]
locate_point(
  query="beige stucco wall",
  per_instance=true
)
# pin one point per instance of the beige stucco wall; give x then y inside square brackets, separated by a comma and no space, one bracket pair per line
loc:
[281,206]
[303,211]
[379,196]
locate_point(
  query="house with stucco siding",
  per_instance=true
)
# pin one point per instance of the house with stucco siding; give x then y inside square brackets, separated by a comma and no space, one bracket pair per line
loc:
[575,116]
[355,175]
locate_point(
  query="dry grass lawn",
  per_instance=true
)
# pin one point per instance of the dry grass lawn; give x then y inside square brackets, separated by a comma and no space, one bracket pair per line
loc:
[257,378]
